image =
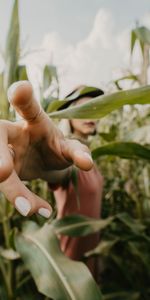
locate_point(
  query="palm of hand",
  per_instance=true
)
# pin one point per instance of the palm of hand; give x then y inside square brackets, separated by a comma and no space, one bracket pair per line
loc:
[38,146]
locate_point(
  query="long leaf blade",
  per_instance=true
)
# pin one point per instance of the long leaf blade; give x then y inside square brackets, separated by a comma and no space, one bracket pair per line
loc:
[78,225]
[12,47]
[56,276]
[123,150]
[101,106]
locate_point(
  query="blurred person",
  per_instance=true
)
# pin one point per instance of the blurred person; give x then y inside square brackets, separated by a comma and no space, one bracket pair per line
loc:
[34,147]
[86,198]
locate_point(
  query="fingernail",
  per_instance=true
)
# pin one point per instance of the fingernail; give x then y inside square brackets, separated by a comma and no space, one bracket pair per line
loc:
[12,89]
[44,212]
[22,205]
[84,154]
[87,155]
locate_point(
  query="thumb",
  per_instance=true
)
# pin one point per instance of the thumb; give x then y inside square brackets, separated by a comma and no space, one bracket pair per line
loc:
[77,153]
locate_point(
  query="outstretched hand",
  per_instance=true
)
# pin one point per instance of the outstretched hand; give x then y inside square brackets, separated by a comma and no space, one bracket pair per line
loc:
[33,148]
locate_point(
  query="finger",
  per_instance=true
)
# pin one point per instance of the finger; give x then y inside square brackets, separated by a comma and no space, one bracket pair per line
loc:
[21,96]
[6,160]
[11,151]
[78,153]
[23,199]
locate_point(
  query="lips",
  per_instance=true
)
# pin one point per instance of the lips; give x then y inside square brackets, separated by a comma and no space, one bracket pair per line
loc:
[89,123]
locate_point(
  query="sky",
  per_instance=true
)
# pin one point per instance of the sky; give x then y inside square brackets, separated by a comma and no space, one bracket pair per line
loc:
[88,40]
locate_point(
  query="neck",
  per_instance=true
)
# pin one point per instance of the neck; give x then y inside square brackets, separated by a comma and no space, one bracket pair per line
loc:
[80,135]
[82,138]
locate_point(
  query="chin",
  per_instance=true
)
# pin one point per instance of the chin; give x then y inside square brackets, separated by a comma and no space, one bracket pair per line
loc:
[91,132]
[94,132]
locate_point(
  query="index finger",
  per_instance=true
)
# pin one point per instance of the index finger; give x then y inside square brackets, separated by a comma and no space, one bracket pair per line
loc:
[21,96]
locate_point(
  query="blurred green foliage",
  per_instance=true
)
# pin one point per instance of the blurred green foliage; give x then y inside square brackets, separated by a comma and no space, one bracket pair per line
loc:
[125,226]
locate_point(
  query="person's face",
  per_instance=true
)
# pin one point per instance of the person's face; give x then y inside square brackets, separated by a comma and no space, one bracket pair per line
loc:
[83,127]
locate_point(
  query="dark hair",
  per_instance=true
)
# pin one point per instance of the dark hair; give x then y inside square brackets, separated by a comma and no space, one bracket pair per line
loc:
[81,92]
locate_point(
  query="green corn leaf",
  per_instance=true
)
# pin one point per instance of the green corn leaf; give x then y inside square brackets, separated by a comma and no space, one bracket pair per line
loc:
[49,73]
[134,225]
[78,225]
[21,73]
[103,248]
[136,252]
[142,35]
[101,106]
[133,40]
[12,48]
[123,150]
[132,77]
[4,105]
[111,135]
[124,295]
[53,105]
[55,275]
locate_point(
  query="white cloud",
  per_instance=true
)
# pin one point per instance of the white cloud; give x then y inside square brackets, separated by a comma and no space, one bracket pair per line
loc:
[93,61]
[145,20]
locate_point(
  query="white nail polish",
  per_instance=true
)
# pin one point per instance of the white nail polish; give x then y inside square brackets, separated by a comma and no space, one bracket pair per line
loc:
[87,155]
[13,88]
[44,212]
[84,154]
[22,205]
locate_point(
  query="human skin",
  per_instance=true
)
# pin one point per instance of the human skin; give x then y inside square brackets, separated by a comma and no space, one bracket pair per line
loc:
[82,128]
[34,148]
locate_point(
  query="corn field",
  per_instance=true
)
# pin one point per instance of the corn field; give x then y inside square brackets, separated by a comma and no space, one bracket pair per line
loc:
[122,153]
